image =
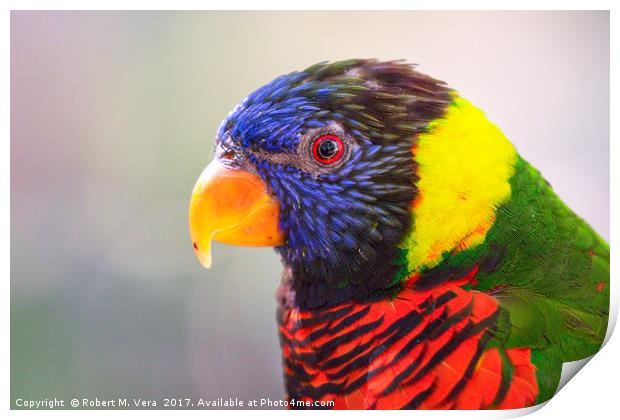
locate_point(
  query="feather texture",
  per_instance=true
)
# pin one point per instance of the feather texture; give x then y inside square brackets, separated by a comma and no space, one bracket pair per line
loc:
[432,267]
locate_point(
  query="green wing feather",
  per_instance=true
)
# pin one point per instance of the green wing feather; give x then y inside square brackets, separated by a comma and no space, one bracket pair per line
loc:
[552,281]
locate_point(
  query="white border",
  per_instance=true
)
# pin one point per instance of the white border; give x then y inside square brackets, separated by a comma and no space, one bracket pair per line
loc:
[592,395]
[309,5]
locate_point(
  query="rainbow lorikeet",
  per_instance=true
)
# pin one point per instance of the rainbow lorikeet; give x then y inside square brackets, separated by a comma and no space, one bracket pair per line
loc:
[427,264]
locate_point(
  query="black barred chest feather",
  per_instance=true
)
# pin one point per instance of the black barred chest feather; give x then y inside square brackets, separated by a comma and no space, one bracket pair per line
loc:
[424,349]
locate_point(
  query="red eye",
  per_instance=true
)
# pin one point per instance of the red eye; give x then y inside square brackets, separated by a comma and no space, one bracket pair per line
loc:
[328,149]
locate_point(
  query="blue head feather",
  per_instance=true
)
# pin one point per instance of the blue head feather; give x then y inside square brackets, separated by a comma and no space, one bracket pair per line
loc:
[343,222]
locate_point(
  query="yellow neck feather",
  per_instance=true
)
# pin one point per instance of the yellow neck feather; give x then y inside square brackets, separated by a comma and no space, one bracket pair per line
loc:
[464,166]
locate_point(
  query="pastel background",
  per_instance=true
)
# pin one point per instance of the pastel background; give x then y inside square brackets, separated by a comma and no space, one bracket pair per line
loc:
[112,119]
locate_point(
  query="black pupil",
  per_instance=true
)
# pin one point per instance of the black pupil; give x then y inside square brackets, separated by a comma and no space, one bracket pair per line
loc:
[328,148]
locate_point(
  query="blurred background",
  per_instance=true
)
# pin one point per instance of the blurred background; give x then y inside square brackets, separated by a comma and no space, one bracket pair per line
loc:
[113,115]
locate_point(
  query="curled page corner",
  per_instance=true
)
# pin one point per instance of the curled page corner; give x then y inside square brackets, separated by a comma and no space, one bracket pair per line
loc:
[569,370]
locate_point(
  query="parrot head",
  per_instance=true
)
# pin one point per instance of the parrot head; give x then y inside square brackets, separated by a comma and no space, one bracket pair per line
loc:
[320,165]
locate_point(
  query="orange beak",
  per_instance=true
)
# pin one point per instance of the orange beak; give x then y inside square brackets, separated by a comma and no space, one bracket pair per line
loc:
[233,207]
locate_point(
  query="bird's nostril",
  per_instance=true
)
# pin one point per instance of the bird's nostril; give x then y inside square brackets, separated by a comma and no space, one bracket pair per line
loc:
[195,246]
